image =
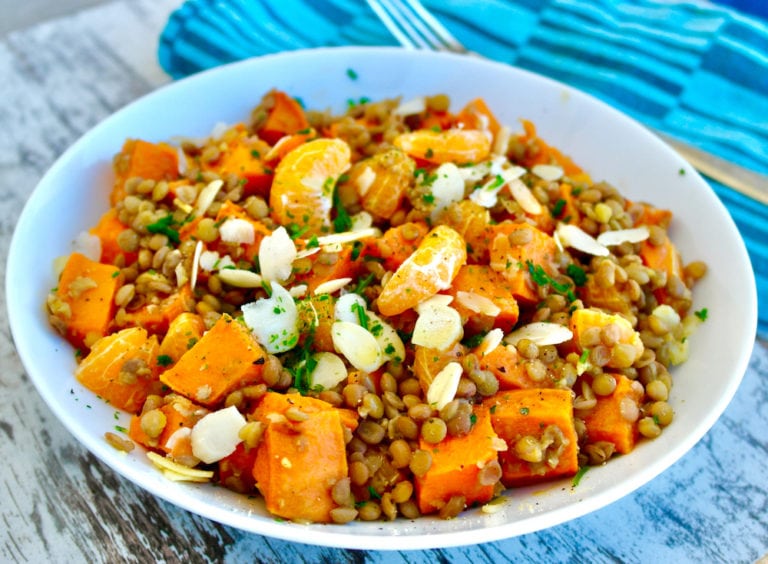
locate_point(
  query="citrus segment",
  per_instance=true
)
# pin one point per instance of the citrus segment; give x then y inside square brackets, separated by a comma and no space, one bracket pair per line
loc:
[431,268]
[302,190]
[459,146]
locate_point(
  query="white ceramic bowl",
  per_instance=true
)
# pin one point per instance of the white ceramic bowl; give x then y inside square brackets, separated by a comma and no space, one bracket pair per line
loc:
[606,143]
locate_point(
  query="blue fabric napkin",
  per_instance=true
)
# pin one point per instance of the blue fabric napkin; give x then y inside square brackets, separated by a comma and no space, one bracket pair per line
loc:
[692,69]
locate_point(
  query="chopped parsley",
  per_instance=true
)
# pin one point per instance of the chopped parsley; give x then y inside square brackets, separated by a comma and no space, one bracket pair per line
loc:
[362,316]
[558,208]
[473,340]
[577,274]
[352,74]
[579,475]
[120,429]
[164,360]
[165,226]
[363,283]
[342,222]
[540,277]
[702,314]
[524,411]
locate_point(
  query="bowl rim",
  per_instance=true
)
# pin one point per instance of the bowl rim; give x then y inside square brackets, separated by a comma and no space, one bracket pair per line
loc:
[333,535]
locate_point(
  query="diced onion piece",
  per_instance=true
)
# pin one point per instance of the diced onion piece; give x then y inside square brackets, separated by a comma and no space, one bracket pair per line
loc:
[365,180]
[331,286]
[236,230]
[274,320]
[358,345]
[437,327]
[240,278]
[207,196]
[87,244]
[329,370]
[477,303]
[540,333]
[443,388]
[446,188]
[217,434]
[575,237]
[492,339]
[547,172]
[276,255]
[411,107]
[523,196]
[166,464]
[196,263]
[635,235]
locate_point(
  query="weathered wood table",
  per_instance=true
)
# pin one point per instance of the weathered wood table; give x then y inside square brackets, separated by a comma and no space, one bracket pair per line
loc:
[60,504]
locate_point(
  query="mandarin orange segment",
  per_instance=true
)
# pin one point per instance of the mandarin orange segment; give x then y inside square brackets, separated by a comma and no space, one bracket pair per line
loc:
[302,190]
[459,146]
[431,268]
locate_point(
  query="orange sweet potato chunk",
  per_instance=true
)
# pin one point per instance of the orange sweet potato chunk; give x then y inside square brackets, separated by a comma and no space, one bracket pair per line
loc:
[286,116]
[227,357]
[298,462]
[122,368]
[509,368]
[86,293]
[107,230]
[138,158]
[605,421]
[543,415]
[183,332]
[456,466]
[174,440]
[483,281]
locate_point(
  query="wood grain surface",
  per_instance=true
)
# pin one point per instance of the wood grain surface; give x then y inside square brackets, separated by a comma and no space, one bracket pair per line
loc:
[60,504]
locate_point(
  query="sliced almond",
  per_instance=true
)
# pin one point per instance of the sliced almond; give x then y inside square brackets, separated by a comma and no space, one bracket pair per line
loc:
[635,235]
[411,107]
[348,306]
[331,286]
[389,340]
[576,238]
[347,236]
[240,278]
[501,142]
[492,339]
[236,230]
[446,188]
[276,255]
[87,244]
[523,196]
[357,345]
[550,173]
[166,464]
[207,196]
[196,263]
[365,180]
[217,434]
[437,327]
[298,291]
[183,206]
[477,303]
[329,370]
[540,333]
[303,253]
[499,445]
[443,388]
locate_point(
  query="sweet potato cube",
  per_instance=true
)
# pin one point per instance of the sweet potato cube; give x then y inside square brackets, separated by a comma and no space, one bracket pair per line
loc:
[183,332]
[456,466]
[285,116]
[107,230]
[538,428]
[122,368]
[227,357]
[174,440]
[85,299]
[236,470]
[150,161]
[480,284]
[156,318]
[509,368]
[298,463]
[605,421]
[512,260]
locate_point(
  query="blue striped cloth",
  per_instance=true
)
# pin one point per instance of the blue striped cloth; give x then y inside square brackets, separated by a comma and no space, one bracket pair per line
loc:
[692,69]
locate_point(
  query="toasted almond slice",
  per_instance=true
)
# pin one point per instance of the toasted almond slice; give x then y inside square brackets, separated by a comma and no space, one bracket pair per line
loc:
[240,278]
[501,142]
[389,340]
[635,235]
[183,206]
[492,339]
[541,333]
[477,303]
[166,464]
[237,230]
[329,370]
[575,237]
[307,252]
[443,388]
[176,477]
[523,196]
[331,286]
[551,173]
[499,445]
[446,188]
[276,255]
[298,291]
[347,236]
[348,306]
[436,300]
[437,327]
[181,275]
[413,106]
[358,345]
[207,196]
[365,181]
[196,263]
[361,221]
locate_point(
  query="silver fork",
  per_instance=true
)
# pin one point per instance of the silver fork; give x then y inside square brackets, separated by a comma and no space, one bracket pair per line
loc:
[415,28]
